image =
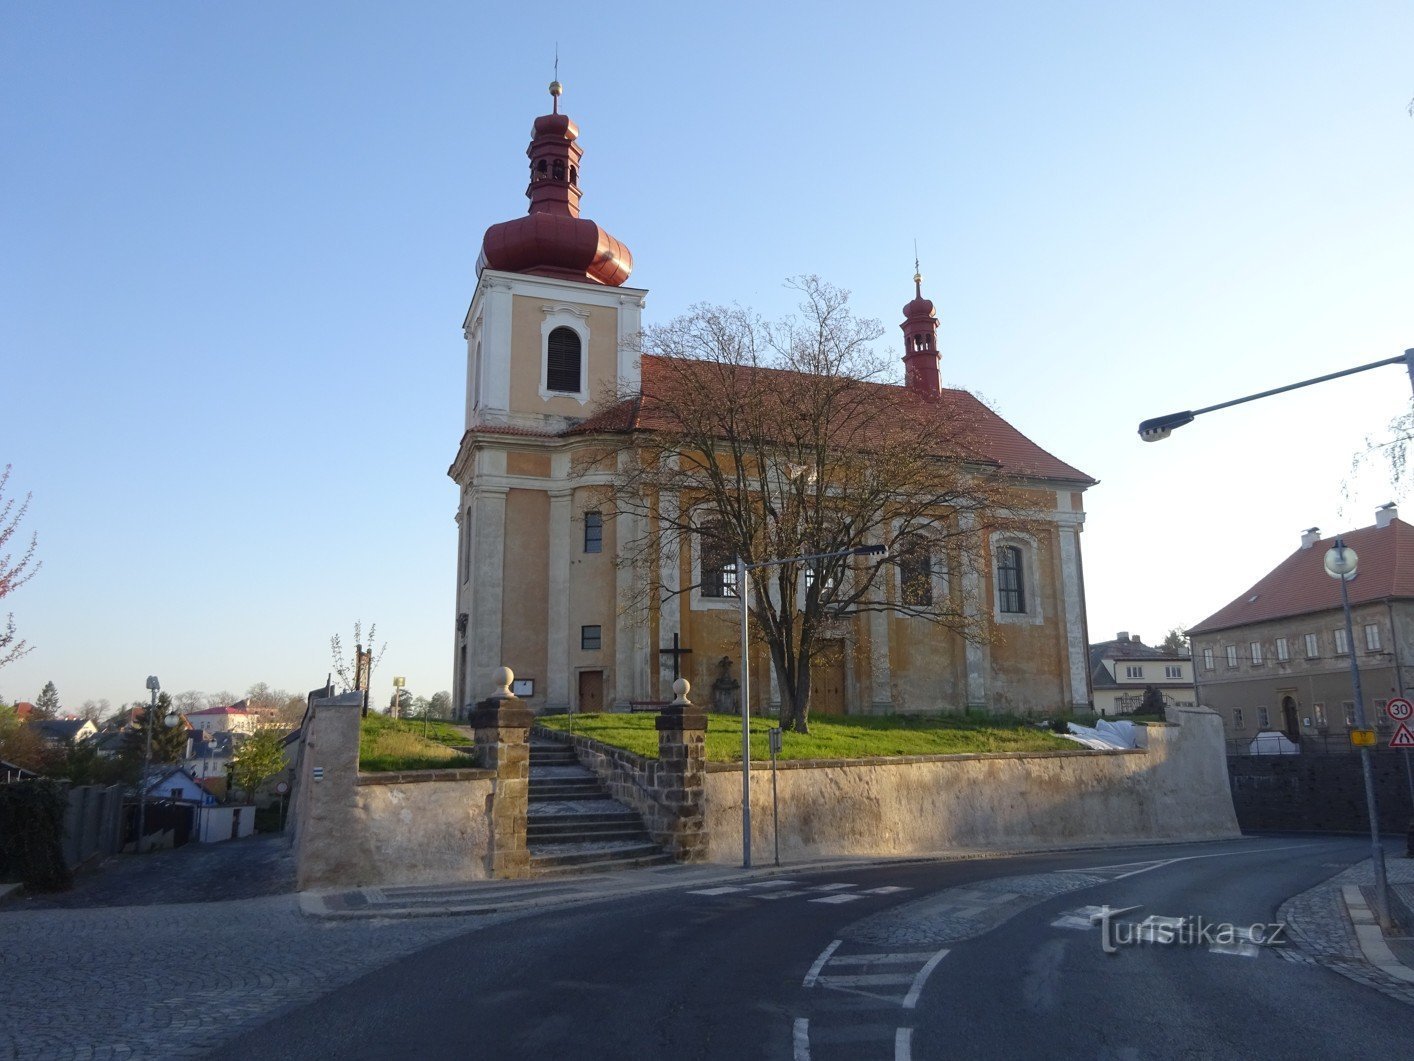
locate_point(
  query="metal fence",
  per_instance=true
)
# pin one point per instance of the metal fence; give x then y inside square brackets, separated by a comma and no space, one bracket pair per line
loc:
[92,823]
[1307,744]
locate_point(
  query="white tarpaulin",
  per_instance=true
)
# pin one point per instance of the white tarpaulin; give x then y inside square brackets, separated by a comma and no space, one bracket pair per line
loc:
[1104,736]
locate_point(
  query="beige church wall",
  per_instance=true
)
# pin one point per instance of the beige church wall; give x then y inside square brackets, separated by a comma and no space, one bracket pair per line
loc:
[532,465]
[926,667]
[593,591]
[1175,788]
[525,608]
[527,316]
[1029,660]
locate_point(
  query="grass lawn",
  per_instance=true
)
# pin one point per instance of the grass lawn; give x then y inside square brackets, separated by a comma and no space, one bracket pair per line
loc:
[830,737]
[387,744]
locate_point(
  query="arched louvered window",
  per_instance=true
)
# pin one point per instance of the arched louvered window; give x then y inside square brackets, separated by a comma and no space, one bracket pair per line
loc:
[557,170]
[1011,588]
[563,359]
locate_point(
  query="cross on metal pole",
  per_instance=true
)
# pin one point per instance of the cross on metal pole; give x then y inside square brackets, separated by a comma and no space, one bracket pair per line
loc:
[675,652]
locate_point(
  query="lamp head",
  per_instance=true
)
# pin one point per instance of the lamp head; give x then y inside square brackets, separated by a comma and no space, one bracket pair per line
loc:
[1160,427]
[1341,561]
[869,550]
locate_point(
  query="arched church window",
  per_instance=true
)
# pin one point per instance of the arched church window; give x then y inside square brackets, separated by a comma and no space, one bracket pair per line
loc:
[540,170]
[558,171]
[915,573]
[563,361]
[1011,588]
[574,175]
[718,563]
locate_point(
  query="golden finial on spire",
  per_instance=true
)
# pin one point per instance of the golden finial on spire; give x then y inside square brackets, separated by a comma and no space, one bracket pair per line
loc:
[555,87]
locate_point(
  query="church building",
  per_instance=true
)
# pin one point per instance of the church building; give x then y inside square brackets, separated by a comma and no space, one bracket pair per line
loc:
[552,340]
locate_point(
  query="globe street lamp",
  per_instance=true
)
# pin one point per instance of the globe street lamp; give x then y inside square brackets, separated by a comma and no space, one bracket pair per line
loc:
[743,590]
[1342,564]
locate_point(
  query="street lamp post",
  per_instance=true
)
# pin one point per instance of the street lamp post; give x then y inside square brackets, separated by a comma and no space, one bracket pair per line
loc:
[1342,564]
[153,687]
[743,589]
[1160,427]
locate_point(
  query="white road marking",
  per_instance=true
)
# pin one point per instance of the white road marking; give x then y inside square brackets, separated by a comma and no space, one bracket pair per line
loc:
[887,889]
[911,999]
[1082,918]
[814,973]
[890,958]
[833,887]
[1145,867]
[903,1044]
[837,898]
[800,1039]
[726,889]
[789,893]
[866,980]
[759,885]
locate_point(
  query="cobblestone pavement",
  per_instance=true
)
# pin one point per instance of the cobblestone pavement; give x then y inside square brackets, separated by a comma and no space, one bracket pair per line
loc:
[197,873]
[175,981]
[1323,934]
[167,955]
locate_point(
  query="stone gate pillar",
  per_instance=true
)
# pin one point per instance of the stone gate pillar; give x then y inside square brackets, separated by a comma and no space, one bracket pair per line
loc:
[682,753]
[502,724]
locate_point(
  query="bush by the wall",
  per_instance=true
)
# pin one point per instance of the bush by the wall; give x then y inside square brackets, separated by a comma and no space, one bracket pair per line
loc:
[31,834]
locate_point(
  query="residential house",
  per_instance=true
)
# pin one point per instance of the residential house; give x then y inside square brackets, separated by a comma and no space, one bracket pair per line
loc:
[233,719]
[64,731]
[1123,670]
[1277,658]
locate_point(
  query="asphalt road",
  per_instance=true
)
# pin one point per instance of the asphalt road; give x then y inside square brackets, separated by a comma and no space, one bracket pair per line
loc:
[996,958]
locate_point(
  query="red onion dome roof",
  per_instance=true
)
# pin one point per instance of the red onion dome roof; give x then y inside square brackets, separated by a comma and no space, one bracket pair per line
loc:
[920,306]
[552,239]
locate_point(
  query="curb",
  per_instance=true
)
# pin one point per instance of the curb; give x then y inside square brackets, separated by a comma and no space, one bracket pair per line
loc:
[1371,939]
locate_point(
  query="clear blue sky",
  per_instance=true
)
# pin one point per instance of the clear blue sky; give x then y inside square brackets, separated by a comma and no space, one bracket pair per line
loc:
[240,240]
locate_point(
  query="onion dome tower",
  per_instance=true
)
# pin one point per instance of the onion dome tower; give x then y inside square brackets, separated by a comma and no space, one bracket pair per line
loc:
[552,239]
[920,341]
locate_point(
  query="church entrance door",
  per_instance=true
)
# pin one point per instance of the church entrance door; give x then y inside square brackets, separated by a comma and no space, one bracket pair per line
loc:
[827,679]
[591,690]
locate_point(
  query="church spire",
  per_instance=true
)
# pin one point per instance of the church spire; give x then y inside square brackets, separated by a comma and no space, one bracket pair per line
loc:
[920,340]
[552,239]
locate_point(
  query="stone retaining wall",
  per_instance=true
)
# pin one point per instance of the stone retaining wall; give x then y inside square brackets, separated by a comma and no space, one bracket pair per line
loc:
[1175,788]
[1321,793]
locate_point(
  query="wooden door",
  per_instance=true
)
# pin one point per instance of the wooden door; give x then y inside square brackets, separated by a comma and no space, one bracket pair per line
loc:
[591,690]
[827,680]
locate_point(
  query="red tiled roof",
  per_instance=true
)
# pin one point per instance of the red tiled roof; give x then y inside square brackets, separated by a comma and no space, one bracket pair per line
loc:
[1299,585]
[218,711]
[994,440]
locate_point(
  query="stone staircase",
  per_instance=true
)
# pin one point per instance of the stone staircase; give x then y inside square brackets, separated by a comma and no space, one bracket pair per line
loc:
[574,825]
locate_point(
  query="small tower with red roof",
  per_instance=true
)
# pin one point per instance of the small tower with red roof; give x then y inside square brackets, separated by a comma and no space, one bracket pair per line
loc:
[920,341]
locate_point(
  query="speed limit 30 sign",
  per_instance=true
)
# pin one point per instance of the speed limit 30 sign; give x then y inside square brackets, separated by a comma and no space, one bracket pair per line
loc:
[1400,709]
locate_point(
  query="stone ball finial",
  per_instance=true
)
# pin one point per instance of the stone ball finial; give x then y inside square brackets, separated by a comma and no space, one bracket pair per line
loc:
[681,687]
[504,676]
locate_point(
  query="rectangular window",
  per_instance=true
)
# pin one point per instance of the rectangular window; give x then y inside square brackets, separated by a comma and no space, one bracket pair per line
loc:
[593,532]
[1372,638]
[1237,722]
[590,638]
[1232,655]
[1319,710]
[1208,659]
[825,586]
[1349,706]
[1264,718]
[1342,646]
[1256,653]
[1011,590]
[1313,646]
[1283,652]
[1381,719]
[1134,672]
[915,575]
[1173,672]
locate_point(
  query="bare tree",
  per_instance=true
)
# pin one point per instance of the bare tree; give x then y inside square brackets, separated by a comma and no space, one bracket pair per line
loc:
[14,572]
[346,669]
[759,440]
[1391,449]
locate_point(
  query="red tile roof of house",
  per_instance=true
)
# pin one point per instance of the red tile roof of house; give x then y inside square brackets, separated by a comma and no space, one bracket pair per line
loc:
[1299,585]
[218,711]
[994,440]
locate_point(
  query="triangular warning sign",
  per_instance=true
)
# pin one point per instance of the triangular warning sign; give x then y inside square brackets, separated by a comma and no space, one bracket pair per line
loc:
[1403,737]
